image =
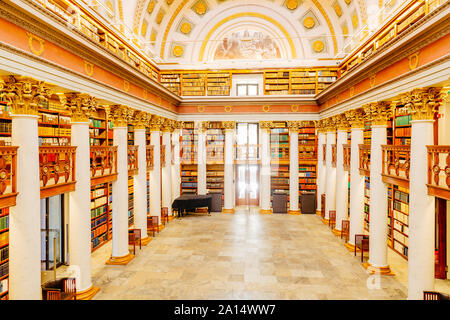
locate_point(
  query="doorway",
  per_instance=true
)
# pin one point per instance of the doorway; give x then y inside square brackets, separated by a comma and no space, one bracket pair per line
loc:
[52,232]
[247,166]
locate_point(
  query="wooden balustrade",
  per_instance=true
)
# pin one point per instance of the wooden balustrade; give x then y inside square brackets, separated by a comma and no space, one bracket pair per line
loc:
[56,170]
[8,167]
[132,160]
[103,164]
[364,159]
[149,157]
[307,153]
[396,164]
[333,155]
[346,155]
[438,179]
[163,155]
[324,154]
[247,152]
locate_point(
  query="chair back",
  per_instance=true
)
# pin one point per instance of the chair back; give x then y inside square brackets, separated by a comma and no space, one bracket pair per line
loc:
[164,212]
[358,239]
[70,285]
[345,229]
[365,244]
[137,234]
[322,208]
[53,295]
[332,218]
[431,295]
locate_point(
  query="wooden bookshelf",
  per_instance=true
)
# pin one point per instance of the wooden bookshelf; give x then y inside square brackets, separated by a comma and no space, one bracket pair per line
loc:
[99,215]
[4,254]
[130,201]
[189,170]
[218,83]
[193,84]
[215,157]
[303,82]
[276,82]
[307,164]
[402,126]
[98,129]
[172,81]
[53,124]
[279,158]
[400,220]
[5,125]
[325,78]
[366,203]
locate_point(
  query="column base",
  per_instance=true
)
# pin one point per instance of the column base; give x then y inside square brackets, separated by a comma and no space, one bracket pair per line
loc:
[228,210]
[87,294]
[336,232]
[351,247]
[325,221]
[385,271]
[318,212]
[120,260]
[294,212]
[161,227]
[145,241]
[171,218]
[263,211]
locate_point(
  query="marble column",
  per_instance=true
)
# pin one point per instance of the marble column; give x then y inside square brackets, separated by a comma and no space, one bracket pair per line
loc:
[81,106]
[293,167]
[176,166]
[341,176]
[166,181]
[201,158]
[120,115]
[24,217]
[379,114]
[356,119]
[265,205]
[228,191]
[421,260]
[330,187]
[155,173]
[321,167]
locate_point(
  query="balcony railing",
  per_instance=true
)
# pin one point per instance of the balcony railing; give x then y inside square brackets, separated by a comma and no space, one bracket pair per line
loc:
[247,152]
[333,155]
[132,160]
[346,155]
[149,157]
[396,164]
[103,164]
[364,159]
[438,181]
[215,154]
[307,152]
[56,170]
[8,167]
[188,154]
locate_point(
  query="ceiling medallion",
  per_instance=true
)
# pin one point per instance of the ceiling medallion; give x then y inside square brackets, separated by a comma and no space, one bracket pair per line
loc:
[200,8]
[186,27]
[309,22]
[318,46]
[178,51]
[292,4]
[151,6]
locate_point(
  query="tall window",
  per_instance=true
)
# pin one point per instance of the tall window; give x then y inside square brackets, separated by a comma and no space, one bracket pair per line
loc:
[247,89]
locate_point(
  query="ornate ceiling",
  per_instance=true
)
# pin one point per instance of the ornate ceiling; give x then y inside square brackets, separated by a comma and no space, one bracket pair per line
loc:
[205,32]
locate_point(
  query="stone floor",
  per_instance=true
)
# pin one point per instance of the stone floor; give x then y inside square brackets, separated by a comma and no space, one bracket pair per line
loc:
[246,255]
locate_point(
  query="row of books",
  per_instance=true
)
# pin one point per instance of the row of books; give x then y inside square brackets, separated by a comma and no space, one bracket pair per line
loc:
[403,120]
[97,123]
[402,141]
[276,180]
[4,269]
[61,141]
[307,180]
[402,207]
[401,248]
[50,131]
[307,174]
[4,238]
[188,184]
[308,187]
[401,227]
[402,196]
[4,222]
[403,132]
[98,192]
[98,211]
[98,231]
[96,241]
[99,221]
[4,253]
[189,173]
[99,202]
[5,127]
[211,179]
[400,216]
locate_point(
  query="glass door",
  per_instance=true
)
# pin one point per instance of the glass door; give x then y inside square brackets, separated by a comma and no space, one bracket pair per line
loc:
[52,235]
[247,168]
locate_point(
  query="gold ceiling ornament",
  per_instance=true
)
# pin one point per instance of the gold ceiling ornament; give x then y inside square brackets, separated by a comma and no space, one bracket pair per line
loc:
[337,9]
[293,125]
[80,105]
[292,4]
[119,115]
[88,68]
[32,40]
[424,102]
[229,125]
[140,119]
[309,22]
[200,7]
[145,93]
[24,94]
[177,125]
[348,1]
[266,125]
[156,123]
[355,118]
[318,46]
[177,51]
[185,27]
[151,6]
[378,112]
[160,16]
[355,21]
[413,60]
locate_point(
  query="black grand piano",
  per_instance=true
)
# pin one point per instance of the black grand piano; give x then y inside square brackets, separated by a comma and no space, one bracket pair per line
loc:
[189,202]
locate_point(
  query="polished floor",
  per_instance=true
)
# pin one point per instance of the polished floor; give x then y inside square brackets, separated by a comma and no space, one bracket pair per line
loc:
[246,255]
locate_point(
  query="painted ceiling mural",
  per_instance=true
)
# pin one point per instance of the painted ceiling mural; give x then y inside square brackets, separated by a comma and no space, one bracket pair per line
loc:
[207,31]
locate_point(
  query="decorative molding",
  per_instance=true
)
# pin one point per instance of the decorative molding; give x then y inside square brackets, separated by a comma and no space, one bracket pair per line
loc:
[355,118]
[423,102]
[413,60]
[229,125]
[88,68]
[119,115]
[31,40]
[80,105]
[140,119]
[379,112]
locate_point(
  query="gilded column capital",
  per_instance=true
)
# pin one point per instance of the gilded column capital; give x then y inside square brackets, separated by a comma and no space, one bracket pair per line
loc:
[229,125]
[178,125]
[140,119]
[341,122]
[320,126]
[80,105]
[355,118]
[202,126]
[167,125]
[155,123]
[293,125]
[119,115]
[423,102]
[23,94]
[330,124]
[266,125]
[378,112]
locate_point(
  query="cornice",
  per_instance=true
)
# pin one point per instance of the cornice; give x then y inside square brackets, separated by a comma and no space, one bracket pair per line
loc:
[81,45]
[394,50]
[256,100]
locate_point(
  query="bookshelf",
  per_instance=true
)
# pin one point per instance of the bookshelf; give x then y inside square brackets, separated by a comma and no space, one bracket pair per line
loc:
[193,84]
[303,82]
[110,142]
[325,78]
[53,124]
[99,215]
[130,137]
[148,143]
[279,154]
[4,254]
[402,126]
[400,220]
[307,168]
[171,81]
[5,125]
[276,82]
[366,203]
[215,148]
[189,144]
[218,84]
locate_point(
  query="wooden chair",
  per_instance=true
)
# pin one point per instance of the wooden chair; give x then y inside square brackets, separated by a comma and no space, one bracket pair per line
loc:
[364,248]
[345,230]
[134,237]
[54,294]
[332,218]
[322,208]
[164,215]
[70,288]
[358,240]
[152,224]
[431,295]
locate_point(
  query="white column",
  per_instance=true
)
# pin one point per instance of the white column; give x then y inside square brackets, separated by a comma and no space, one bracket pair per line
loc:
[330,187]
[140,184]
[176,173]
[265,171]
[293,171]
[80,208]
[421,214]
[166,180]
[228,191]
[356,188]
[24,217]
[201,160]
[120,199]
[321,169]
[378,204]
[341,181]
[155,175]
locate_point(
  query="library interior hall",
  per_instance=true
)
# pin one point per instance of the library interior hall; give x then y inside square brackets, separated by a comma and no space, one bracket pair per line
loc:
[224,150]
